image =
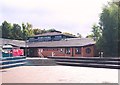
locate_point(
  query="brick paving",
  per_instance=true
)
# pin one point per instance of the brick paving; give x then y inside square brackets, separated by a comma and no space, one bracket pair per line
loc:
[58,74]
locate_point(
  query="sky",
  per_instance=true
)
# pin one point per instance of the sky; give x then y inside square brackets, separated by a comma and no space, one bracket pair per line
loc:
[73,16]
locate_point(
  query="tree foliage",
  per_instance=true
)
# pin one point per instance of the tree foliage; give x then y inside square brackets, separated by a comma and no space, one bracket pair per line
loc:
[108,32]
[109,25]
[6,29]
[27,30]
[67,33]
[21,32]
[16,32]
[79,35]
[37,31]
[96,33]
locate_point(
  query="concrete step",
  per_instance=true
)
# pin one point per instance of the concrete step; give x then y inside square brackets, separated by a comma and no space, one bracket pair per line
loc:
[13,61]
[9,62]
[13,65]
[87,58]
[13,58]
[40,62]
[89,65]
[88,61]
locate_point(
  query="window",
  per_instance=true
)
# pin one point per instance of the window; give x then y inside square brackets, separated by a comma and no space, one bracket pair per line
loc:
[55,49]
[77,50]
[57,37]
[40,39]
[61,50]
[45,49]
[31,39]
[47,38]
[88,50]
[67,50]
[35,37]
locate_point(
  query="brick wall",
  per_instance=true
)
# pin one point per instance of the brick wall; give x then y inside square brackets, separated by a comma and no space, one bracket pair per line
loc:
[62,52]
[85,54]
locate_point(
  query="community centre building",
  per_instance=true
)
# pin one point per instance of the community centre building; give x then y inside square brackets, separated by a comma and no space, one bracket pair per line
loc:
[59,44]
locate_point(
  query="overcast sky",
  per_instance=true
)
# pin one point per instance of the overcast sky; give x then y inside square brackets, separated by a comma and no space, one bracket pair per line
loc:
[74,16]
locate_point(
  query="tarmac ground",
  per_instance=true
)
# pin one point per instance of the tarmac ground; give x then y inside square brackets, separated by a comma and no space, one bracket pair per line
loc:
[58,74]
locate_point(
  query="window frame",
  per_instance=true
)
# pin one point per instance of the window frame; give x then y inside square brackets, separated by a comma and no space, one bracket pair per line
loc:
[79,50]
[67,51]
[88,50]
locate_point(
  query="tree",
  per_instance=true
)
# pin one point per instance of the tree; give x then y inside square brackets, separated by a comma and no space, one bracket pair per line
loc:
[107,34]
[68,33]
[16,32]
[79,35]
[6,30]
[118,4]
[90,36]
[53,30]
[37,31]
[27,30]
[109,26]
[96,33]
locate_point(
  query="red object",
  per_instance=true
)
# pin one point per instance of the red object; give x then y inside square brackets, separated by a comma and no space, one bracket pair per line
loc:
[18,52]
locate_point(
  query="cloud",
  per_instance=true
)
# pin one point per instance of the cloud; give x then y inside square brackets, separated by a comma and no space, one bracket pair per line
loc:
[65,15]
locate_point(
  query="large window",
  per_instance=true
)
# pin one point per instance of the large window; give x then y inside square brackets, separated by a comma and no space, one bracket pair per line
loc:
[31,39]
[40,39]
[77,50]
[35,39]
[67,50]
[58,37]
[61,50]
[88,50]
[47,38]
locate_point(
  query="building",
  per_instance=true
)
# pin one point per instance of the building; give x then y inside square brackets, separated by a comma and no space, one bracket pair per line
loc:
[10,48]
[14,43]
[58,44]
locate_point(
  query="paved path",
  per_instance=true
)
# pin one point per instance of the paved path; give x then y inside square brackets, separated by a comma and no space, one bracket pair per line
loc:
[59,74]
